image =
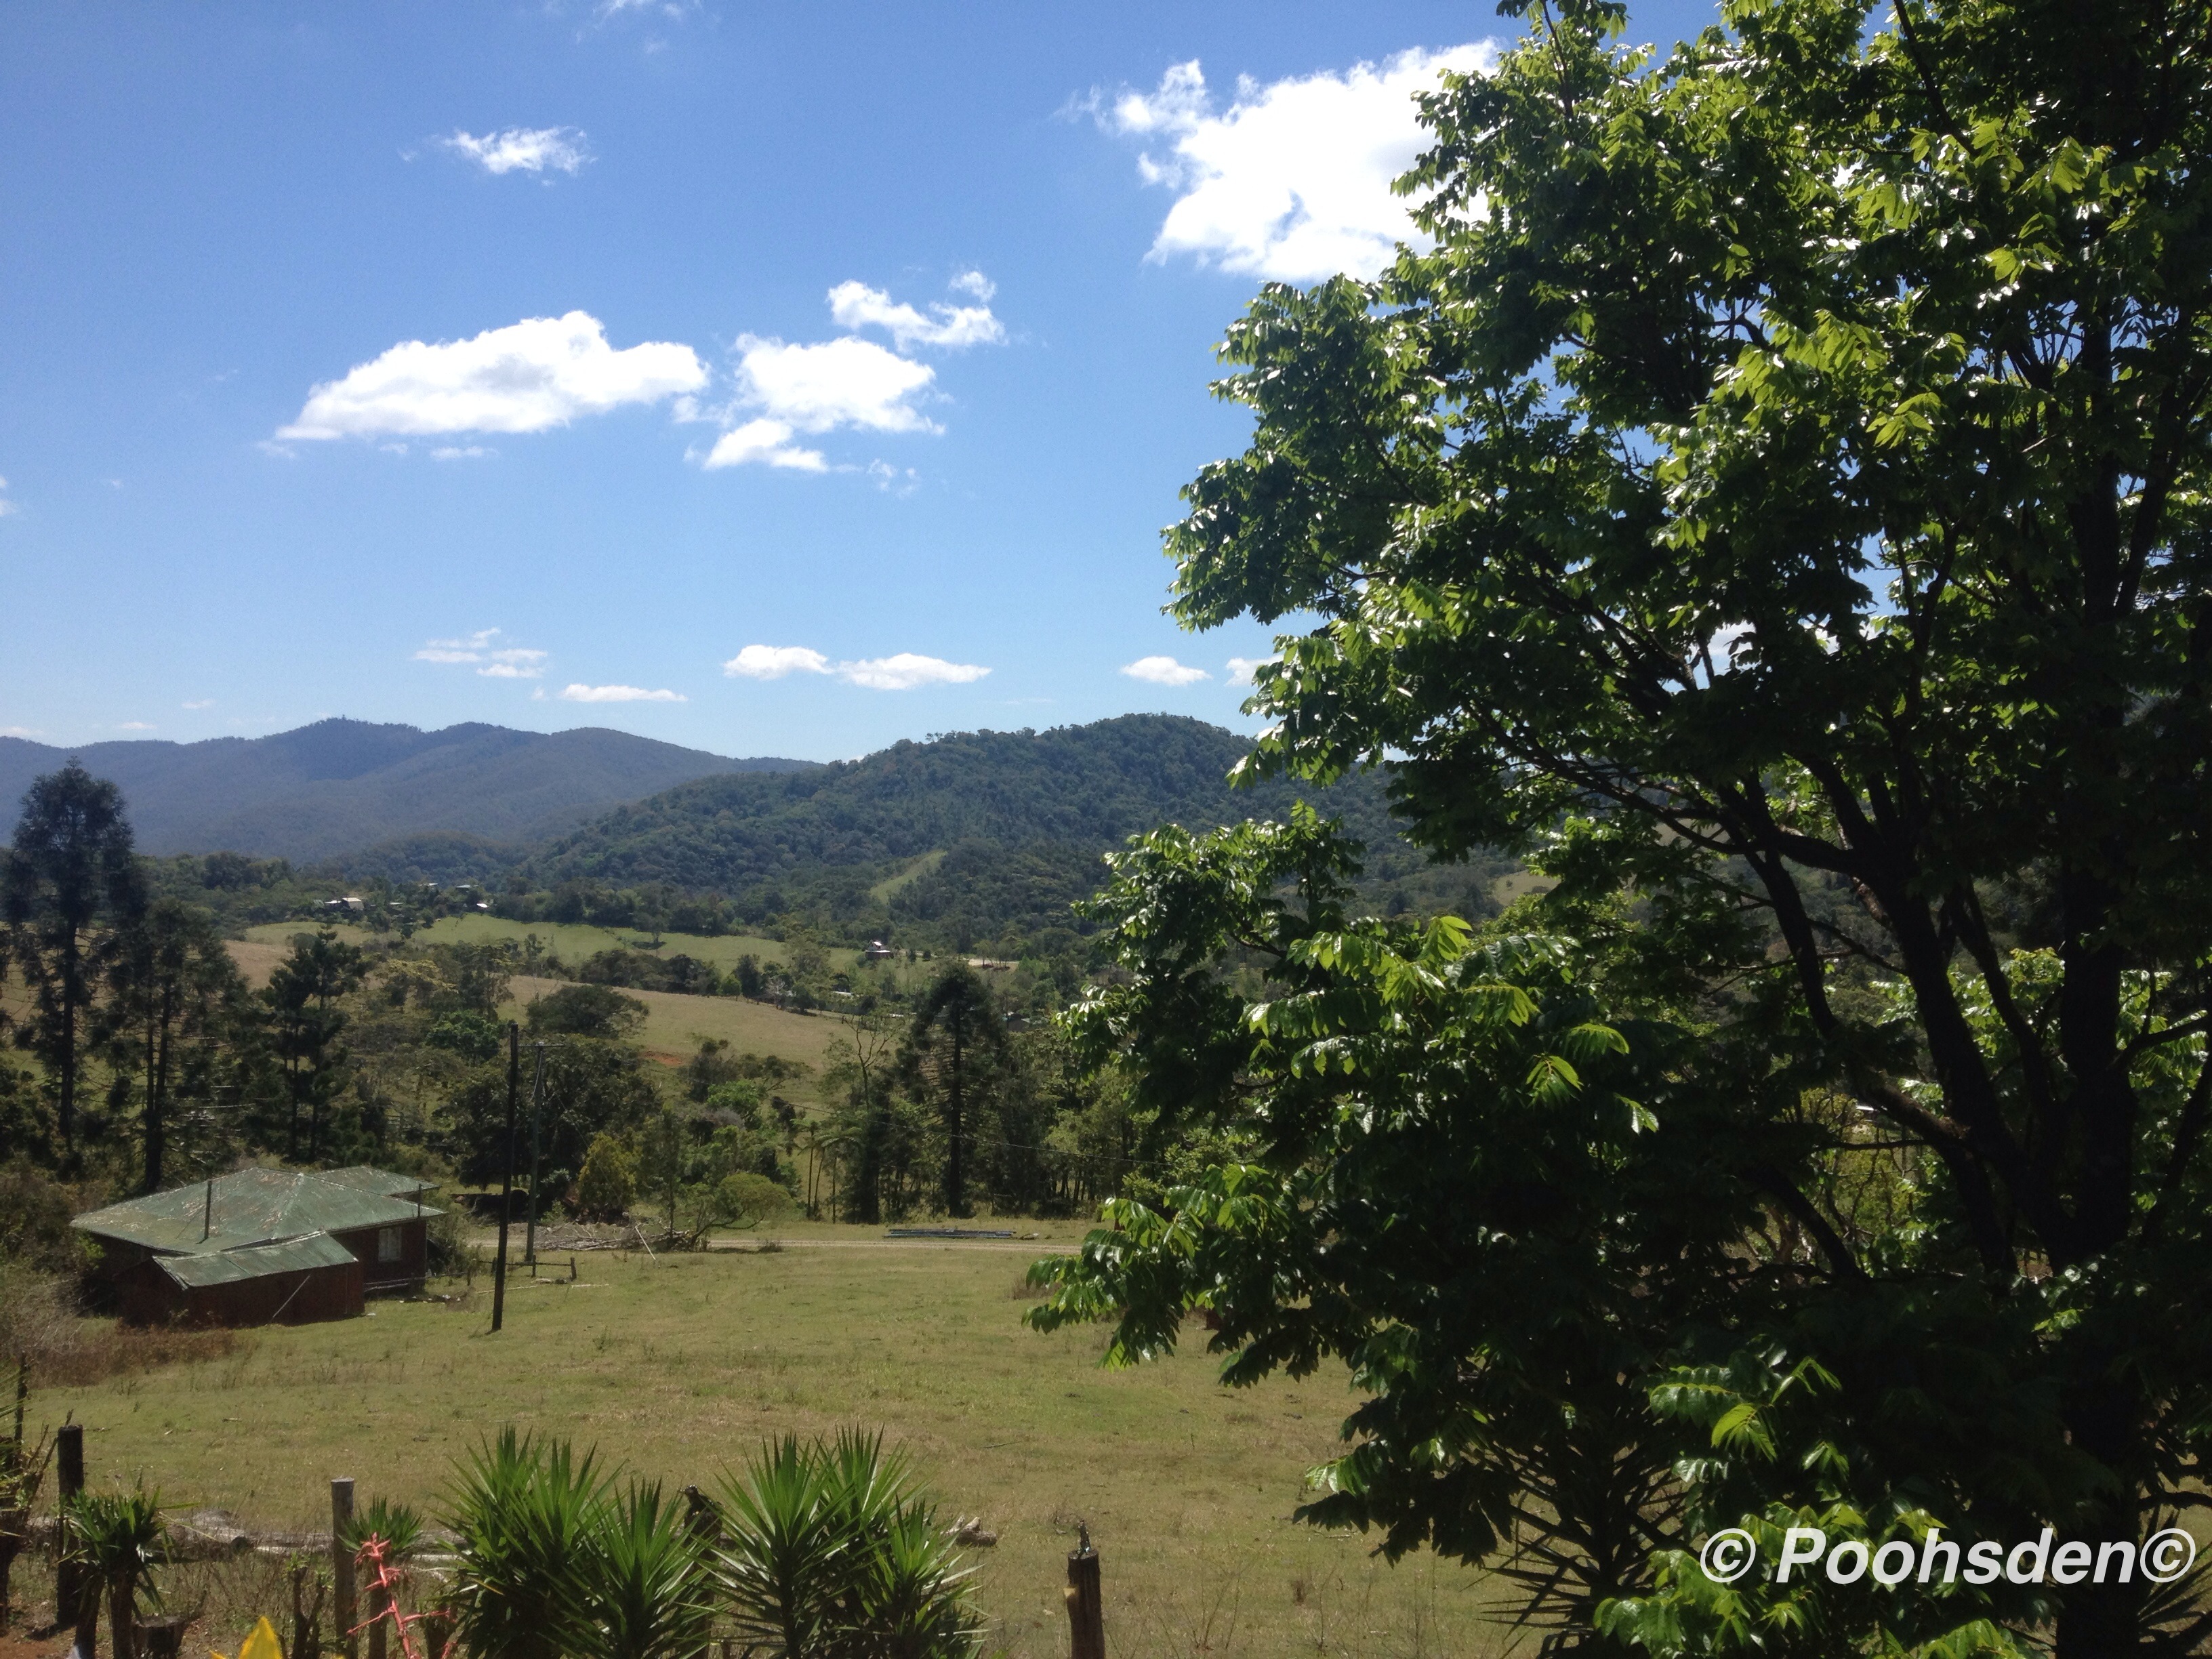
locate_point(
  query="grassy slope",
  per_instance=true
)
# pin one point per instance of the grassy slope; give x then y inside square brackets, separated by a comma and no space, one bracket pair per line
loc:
[678,1369]
[572,941]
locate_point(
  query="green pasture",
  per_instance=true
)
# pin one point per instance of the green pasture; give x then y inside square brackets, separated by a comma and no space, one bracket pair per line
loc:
[573,941]
[675,1368]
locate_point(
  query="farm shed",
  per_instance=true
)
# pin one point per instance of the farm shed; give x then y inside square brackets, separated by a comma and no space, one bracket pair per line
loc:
[377,1219]
[295,1283]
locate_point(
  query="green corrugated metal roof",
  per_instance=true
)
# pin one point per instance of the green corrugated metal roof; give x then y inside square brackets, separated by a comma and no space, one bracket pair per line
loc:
[385,1183]
[251,1207]
[256,1262]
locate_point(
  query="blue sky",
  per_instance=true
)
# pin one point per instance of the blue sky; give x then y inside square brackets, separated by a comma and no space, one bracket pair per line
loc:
[752,378]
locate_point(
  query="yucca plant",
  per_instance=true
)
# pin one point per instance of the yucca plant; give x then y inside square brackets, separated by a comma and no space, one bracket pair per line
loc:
[781,1564]
[527,1514]
[117,1537]
[833,1553]
[651,1597]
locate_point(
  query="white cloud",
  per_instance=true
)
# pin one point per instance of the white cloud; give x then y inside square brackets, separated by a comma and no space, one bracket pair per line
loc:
[506,662]
[543,371]
[618,693]
[773,662]
[783,389]
[857,306]
[135,726]
[1292,180]
[766,441]
[848,382]
[457,452]
[17,731]
[1165,670]
[6,506]
[900,673]
[201,703]
[1240,668]
[523,150]
[906,670]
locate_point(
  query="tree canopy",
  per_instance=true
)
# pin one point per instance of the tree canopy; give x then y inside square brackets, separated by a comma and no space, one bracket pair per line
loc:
[1777,503]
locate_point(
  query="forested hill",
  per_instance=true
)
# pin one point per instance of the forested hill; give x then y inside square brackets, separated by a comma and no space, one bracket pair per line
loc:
[339,785]
[971,836]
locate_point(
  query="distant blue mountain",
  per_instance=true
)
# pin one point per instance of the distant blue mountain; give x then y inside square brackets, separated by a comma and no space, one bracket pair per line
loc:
[340,787]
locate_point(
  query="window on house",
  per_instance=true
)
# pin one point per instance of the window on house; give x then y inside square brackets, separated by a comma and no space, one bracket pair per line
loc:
[387,1244]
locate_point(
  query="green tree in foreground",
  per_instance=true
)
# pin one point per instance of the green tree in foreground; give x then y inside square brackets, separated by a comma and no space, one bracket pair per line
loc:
[70,879]
[1780,497]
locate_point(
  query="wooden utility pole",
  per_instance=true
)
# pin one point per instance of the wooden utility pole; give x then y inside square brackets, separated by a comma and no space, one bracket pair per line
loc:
[71,1586]
[536,1112]
[342,1584]
[506,1182]
[1086,1618]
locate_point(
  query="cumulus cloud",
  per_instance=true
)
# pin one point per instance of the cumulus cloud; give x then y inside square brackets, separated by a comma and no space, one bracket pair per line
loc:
[857,306]
[523,150]
[773,662]
[618,693]
[135,726]
[786,389]
[1240,668]
[201,702]
[459,453]
[906,671]
[900,673]
[17,731]
[1165,670]
[6,506]
[540,373]
[766,441]
[1291,180]
[498,662]
[848,382]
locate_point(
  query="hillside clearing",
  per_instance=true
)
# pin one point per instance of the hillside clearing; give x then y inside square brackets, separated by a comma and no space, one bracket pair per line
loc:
[572,941]
[677,1368]
[674,1024]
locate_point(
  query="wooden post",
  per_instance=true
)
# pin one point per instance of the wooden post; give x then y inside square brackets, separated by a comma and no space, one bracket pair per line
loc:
[506,1185]
[69,1576]
[536,1110]
[342,1583]
[1086,1619]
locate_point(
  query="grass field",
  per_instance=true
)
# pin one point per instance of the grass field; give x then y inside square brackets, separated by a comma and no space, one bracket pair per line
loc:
[677,1369]
[674,1024]
[573,941]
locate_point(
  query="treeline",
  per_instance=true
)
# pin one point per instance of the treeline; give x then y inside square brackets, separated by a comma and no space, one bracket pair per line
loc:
[154,1061]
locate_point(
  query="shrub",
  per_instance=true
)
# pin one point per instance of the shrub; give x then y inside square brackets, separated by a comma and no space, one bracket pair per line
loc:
[594,1011]
[608,1182]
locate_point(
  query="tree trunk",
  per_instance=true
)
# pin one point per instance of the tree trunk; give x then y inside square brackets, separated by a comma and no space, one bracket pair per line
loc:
[123,1614]
[70,991]
[955,1180]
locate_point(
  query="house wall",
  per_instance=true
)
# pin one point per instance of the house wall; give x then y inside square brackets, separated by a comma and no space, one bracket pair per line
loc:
[377,1274]
[150,1296]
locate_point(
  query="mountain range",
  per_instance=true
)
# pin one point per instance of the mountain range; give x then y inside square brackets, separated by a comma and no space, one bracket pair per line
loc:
[340,787]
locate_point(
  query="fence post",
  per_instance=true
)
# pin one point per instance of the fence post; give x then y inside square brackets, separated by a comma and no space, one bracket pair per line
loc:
[342,1586]
[1086,1620]
[68,1473]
